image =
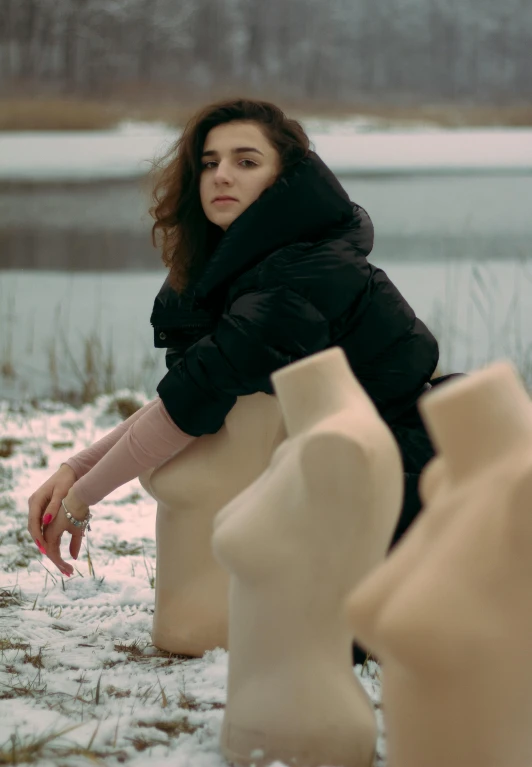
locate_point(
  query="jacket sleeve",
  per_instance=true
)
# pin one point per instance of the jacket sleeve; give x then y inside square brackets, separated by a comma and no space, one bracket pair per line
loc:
[261,332]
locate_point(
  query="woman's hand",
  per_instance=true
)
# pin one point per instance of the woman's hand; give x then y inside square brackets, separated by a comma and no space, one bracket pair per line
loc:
[59,525]
[44,507]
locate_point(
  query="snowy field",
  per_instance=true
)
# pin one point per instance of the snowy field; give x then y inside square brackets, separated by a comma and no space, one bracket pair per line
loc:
[80,682]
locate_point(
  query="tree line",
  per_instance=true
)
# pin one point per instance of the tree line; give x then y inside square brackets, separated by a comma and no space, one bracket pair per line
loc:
[341,51]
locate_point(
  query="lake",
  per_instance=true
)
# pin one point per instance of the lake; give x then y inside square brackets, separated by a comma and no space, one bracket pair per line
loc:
[78,275]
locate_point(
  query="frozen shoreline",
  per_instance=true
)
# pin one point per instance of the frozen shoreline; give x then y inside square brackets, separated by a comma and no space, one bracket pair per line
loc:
[128,153]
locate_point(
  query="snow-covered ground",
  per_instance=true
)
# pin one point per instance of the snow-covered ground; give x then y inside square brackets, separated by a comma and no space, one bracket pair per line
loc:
[346,146]
[80,682]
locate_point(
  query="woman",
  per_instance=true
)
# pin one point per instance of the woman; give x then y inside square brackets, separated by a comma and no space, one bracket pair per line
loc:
[267,264]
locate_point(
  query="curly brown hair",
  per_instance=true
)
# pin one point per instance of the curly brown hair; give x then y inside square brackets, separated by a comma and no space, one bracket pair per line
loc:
[186,236]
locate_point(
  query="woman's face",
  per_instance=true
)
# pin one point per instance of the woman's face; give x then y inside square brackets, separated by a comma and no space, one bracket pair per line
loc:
[239,163]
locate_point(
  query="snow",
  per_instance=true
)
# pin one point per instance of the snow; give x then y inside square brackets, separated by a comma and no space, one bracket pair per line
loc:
[346,146]
[76,656]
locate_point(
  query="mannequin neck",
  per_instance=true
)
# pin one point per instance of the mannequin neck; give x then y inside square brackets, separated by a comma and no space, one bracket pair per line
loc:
[313,389]
[478,420]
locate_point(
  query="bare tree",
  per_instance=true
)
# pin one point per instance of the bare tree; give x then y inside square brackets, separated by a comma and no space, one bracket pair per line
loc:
[342,51]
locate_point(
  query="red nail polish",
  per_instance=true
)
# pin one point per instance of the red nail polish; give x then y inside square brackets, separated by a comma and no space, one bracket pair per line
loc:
[39,546]
[47,519]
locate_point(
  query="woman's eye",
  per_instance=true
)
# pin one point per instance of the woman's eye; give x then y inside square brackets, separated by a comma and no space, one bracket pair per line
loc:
[210,164]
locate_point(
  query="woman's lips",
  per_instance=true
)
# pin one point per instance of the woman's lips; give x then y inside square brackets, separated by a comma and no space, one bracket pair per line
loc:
[224,200]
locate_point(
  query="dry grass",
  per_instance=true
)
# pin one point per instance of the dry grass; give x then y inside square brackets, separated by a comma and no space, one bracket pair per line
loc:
[33,749]
[133,650]
[116,692]
[8,445]
[11,597]
[445,115]
[122,548]
[60,113]
[61,445]
[28,750]
[172,729]
[23,551]
[9,644]
[28,114]
[132,498]
[26,679]
[124,405]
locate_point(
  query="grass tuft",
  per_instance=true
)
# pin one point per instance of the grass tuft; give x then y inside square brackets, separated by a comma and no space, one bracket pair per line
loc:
[61,445]
[173,728]
[116,692]
[134,650]
[6,478]
[7,503]
[150,571]
[188,702]
[21,688]
[24,550]
[8,445]
[141,743]
[124,405]
[97,691]
[122,548]
[11,597]
[34,749]
[133,497]
[30,749]
[35,660]
[9,644]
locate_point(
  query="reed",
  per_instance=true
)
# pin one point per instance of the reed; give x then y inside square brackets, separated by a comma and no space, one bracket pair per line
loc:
[510,339]
[83,368]
[78,370]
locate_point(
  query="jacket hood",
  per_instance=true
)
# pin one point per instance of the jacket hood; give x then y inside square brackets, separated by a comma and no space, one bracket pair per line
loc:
[301,206]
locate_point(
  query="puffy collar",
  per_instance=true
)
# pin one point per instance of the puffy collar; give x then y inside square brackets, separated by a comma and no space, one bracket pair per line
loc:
[299,207]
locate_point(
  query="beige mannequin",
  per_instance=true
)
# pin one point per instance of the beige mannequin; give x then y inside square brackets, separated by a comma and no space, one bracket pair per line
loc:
[295,542]
[191,602]
[448,612]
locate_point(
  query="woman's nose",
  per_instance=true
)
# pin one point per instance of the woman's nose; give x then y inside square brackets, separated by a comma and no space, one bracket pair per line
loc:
[223,173]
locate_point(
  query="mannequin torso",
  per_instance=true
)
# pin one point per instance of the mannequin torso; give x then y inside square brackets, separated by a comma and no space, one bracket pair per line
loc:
[295,541]
[191,588]
[449,605]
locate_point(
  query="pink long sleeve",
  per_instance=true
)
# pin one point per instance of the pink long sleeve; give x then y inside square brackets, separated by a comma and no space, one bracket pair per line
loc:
[83,461]
[147,442]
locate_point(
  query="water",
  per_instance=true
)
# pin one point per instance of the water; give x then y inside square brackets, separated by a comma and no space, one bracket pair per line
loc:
[59,329]
[78,276]
[106,226]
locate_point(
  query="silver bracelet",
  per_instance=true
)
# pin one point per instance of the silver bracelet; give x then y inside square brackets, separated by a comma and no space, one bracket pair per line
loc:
[83,523]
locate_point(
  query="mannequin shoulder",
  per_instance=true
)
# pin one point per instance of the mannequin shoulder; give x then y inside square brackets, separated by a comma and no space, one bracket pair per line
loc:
[325,446]
[347,441]
[333,465]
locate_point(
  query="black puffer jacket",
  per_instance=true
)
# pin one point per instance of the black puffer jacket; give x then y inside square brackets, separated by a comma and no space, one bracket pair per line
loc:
[288,279]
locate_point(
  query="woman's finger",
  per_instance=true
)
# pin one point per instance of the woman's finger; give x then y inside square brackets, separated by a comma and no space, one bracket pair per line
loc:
[53,508]
[75,546]
[52,537]
[36,504]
